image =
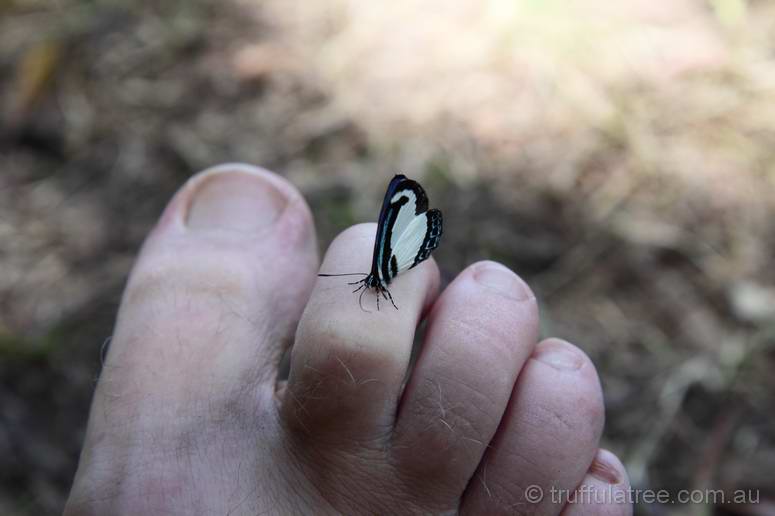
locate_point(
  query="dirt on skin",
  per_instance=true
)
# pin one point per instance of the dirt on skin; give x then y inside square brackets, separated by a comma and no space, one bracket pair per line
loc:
[619,157]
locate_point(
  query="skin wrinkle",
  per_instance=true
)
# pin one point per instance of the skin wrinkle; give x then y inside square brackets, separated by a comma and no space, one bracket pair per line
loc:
[404,496]
[142,463]
[221,469]
[229,282]
[252,375]
[496,487]
[311,392]
[428,490]
[540,429]
[468,421]
[525,462]
[255,375]
[235,491]
[333,384]
[555,414]
[297,460]
[148,284]
[323,383]
[592,408]
[297,416]
[456,428]
[193,445]
[514,455]
[505,354]
[481,397]
[414,477]
[105,490]
[231,309]
[430,418]
[339,382]
[318,460]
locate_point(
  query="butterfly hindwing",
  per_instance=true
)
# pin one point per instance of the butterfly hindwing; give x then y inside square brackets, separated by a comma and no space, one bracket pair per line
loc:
[421,236]
[432,238]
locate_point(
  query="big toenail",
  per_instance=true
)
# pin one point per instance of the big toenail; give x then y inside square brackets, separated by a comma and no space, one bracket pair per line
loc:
[235,199]
[560,356]
[500,279]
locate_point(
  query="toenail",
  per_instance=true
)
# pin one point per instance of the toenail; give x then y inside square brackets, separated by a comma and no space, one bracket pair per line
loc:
[603,468]
[500,279]
[235,199]
[560,355]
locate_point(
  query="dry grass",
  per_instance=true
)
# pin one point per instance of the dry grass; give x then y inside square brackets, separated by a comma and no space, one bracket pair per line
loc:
[618,156]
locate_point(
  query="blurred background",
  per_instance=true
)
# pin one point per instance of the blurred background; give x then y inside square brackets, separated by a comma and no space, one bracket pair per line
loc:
[618,155]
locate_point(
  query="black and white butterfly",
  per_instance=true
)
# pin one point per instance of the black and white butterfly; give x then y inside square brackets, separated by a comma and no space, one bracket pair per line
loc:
[407,233]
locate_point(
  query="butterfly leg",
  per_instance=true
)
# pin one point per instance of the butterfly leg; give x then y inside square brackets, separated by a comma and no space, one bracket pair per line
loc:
[390,296]
[360,300]
[363,285]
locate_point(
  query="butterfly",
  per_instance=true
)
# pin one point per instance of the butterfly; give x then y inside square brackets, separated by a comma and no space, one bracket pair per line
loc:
[407,233]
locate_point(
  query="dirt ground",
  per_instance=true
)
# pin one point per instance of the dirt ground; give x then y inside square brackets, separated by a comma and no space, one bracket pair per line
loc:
[620,156]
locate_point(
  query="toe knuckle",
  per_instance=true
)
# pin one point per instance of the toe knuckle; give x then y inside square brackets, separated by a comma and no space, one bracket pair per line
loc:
[166,273]
[334,348]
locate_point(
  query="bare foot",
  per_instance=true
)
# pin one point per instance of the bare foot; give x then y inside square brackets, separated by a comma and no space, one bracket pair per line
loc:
[188,417]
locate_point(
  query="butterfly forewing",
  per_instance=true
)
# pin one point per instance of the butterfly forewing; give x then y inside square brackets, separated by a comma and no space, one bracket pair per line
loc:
[407,231]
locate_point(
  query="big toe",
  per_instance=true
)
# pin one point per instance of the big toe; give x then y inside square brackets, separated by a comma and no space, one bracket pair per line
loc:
[210,305]
[213,299]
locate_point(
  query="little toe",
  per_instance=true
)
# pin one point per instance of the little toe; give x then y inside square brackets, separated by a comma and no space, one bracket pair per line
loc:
[348,363]
[605,490]
[480,332]
[547,437]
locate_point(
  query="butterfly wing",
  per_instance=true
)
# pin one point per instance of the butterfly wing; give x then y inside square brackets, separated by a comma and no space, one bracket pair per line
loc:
[407,232]
[421,236]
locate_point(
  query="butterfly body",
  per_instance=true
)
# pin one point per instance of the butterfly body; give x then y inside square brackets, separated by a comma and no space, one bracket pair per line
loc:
[407,233]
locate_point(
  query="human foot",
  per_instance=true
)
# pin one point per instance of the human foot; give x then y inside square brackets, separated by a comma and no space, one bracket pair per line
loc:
[188,417]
